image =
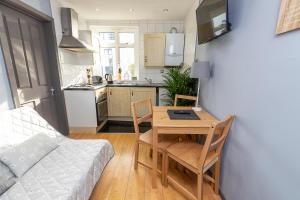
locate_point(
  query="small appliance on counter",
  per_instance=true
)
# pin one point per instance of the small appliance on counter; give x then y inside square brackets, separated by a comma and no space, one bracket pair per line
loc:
[108,78]
[97,80]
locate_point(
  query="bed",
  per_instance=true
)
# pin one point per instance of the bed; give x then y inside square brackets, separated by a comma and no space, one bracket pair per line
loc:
[69,172]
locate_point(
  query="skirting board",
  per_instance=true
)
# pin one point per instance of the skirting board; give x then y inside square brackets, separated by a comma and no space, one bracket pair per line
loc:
[83,130]
[87,130]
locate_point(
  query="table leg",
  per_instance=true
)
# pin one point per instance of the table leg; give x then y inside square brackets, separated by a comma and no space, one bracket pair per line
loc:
[154,157]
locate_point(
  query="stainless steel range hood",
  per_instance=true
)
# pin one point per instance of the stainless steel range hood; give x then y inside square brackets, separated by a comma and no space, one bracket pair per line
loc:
[70,39]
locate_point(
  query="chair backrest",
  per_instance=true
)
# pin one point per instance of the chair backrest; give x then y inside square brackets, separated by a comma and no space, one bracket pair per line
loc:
[178,96]
[215,139]
[146,105]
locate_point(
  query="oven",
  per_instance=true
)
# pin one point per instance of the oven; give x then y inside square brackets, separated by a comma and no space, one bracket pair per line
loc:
[101,104]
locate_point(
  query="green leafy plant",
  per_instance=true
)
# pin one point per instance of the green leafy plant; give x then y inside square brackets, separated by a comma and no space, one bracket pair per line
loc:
[178,81]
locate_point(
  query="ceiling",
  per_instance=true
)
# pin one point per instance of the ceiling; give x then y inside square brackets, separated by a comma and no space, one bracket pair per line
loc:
[130,9]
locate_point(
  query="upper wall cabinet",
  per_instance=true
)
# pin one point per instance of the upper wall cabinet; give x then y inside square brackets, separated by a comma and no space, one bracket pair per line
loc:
[154,45]
[174,49]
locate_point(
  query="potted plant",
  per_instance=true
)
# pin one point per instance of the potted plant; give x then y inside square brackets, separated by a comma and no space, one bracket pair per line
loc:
[178,81]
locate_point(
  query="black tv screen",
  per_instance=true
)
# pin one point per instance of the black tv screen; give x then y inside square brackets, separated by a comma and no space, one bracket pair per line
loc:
[212,20]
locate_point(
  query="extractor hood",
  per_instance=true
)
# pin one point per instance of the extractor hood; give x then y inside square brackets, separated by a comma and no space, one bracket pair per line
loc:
[70,39]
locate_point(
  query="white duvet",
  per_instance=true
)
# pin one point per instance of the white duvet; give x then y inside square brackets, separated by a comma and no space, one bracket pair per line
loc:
[70,172]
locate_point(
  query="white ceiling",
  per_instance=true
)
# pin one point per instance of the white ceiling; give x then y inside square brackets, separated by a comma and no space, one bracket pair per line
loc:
[120,9]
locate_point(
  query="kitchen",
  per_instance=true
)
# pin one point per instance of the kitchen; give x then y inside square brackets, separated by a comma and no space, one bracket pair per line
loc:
[76,78]
[119,65]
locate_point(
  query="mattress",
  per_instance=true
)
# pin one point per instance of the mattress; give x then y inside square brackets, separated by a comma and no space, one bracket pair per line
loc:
[70,172]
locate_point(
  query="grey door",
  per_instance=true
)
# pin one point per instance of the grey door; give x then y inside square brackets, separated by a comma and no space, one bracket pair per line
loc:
[25,52]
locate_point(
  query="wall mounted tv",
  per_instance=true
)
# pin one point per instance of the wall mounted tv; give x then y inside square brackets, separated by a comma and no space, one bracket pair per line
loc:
[212,20]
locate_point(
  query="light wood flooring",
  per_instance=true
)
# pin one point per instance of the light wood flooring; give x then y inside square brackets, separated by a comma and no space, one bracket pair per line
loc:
[120,181]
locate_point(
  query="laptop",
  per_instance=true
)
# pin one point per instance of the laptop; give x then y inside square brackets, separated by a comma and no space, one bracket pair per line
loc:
[183,115]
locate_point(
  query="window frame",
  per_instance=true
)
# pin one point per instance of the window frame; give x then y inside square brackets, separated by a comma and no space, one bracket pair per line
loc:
[117,30]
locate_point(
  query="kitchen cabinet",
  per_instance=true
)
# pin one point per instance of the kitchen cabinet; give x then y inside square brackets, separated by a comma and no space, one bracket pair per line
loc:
[119,102]
[86,109]
[138,94]
[154,49]
[120,98]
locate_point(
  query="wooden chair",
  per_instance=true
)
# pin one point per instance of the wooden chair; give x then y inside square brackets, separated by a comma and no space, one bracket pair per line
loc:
[191,98]
[146,138]
[178,96]
[200,158]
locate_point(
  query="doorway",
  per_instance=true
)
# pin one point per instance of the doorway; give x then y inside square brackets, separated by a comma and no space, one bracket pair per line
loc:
[28,47]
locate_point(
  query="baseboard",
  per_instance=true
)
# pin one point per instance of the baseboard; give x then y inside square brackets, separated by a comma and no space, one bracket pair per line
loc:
[83,130]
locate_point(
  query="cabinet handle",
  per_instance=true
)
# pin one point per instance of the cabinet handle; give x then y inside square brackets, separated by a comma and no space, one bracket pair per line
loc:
[110,93]
[131,93]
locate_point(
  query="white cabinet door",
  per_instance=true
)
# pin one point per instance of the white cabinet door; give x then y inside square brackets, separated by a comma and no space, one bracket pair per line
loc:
[154,46]
[81,108]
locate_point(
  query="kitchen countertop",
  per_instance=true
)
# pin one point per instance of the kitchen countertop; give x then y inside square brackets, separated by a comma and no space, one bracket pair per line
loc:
[136,85]
[116,84]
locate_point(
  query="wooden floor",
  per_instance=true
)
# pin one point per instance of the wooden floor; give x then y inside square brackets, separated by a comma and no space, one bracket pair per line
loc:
[120,181]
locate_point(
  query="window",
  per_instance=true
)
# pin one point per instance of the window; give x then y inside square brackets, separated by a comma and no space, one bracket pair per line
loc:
[108,58]
[118,48]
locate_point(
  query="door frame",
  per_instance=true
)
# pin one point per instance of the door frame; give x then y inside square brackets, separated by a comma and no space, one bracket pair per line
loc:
[55,75]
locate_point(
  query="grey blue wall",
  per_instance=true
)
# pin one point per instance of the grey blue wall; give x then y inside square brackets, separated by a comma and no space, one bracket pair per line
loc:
[257,77]
[41,5]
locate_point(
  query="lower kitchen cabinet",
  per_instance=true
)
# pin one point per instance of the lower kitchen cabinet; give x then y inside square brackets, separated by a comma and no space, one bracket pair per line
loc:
[120,98]
[138,94]
[86,109]
[119,102]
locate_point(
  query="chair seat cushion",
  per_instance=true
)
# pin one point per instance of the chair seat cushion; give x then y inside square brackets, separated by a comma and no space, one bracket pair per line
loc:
[163,142]
[189,153]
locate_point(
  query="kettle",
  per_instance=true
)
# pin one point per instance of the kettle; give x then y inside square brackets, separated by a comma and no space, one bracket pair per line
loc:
[108,78]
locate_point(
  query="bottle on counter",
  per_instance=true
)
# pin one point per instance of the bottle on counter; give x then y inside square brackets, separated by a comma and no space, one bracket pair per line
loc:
[126,76]
[119,75]
[89,75]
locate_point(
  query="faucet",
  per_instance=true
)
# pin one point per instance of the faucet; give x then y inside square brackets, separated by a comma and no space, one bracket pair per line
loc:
[149,80]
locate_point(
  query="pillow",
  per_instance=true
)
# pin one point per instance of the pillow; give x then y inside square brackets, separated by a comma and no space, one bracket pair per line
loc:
[23,156]
[7,179]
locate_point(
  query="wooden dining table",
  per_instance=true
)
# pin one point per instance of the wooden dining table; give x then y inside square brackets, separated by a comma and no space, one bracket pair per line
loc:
[162,124]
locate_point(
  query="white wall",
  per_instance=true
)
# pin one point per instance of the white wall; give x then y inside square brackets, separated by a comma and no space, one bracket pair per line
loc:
[72,65]
[190,30]
[155,27]
[144,27]
[71,69]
